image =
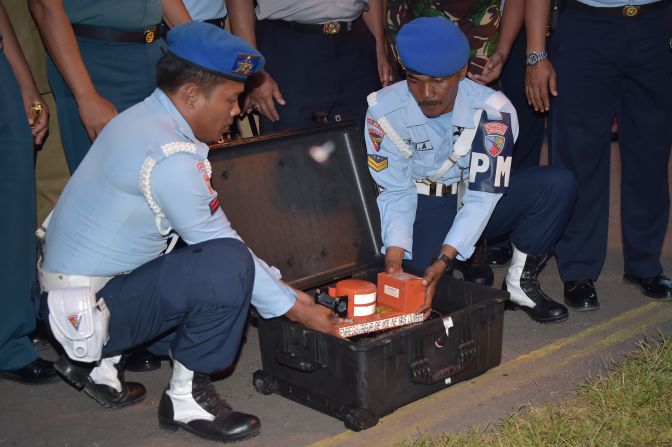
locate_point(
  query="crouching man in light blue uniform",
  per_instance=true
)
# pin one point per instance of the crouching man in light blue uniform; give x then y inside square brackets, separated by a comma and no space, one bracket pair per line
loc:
[147,174]
[439,147]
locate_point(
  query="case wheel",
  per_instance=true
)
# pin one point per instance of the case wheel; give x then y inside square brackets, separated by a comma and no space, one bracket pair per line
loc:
[358,419]
[263,383]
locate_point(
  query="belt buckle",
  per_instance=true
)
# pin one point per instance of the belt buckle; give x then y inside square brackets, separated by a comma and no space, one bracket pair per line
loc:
[630,10]
[150,34]
[331,28]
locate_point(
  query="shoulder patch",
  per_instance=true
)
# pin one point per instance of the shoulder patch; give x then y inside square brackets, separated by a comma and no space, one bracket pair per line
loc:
[376,133]
[206,176]
[377,162]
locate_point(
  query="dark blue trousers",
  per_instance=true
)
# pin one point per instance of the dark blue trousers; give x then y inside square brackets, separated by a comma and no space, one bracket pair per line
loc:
[123,73]
[535,211]
[192,302]
[17,225]
[606,66]
[318,73]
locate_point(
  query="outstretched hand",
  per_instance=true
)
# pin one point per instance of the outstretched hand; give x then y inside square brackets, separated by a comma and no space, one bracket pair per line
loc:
[313,316]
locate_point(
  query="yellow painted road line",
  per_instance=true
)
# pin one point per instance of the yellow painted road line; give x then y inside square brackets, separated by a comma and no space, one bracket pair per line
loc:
[431,412]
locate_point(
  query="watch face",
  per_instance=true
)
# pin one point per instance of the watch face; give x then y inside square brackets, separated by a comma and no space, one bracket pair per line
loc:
[532,59]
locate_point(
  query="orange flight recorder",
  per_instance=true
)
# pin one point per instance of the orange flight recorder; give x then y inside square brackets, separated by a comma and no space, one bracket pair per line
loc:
[366,307]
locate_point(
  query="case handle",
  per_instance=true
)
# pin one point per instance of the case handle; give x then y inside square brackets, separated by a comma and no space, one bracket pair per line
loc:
[289,359]
[422,372]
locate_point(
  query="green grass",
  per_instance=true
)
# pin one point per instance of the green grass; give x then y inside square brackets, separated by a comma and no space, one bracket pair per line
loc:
[630,406]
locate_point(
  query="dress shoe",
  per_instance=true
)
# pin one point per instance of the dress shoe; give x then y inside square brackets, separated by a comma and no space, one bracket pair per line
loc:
[479,273]
[37,372]
[498,256]
[658,287]
[476,269]
[141,360]
[191,403]
[105,392]
[131,393]
[41,336]
[581,295]
[525,291]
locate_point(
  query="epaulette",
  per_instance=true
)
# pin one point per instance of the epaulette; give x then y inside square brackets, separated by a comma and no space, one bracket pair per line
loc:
[386,101]
[156,156]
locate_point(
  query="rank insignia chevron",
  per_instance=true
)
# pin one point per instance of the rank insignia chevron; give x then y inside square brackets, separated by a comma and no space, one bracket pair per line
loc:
[377,162]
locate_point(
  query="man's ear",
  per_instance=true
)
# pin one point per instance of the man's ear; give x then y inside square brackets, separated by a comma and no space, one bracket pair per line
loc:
[189,94]
[463,72]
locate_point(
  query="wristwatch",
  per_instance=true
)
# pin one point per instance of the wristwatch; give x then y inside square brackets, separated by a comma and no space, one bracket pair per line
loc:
[446,260]
[534,57]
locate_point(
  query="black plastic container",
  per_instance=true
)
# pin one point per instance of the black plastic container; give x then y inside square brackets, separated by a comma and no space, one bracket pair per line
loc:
[305,203]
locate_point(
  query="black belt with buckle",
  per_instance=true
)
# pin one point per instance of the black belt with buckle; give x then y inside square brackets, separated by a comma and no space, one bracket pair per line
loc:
[221,22]
[328,28]
[146,35]
[623,11]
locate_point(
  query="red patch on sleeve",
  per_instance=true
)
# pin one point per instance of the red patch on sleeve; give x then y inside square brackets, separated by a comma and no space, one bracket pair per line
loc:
[214,205]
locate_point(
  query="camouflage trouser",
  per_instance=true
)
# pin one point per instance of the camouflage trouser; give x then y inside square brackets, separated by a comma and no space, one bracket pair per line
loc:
[478,19]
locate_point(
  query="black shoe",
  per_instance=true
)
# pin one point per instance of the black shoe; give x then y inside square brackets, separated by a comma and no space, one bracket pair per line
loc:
[41,336]
[658,287]
[141,360]
[581,295]
[498,256]
[475,272]
[476,269]
[37,372]
[228,425]
[545,310]
[78,376]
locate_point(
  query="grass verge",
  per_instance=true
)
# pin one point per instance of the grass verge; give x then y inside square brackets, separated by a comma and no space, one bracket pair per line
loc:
[630,406]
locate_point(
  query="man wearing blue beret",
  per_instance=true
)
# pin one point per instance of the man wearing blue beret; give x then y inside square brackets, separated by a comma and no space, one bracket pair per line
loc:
[146,176]
[439,147]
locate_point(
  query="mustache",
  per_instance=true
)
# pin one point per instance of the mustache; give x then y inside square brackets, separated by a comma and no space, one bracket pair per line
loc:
[429,103]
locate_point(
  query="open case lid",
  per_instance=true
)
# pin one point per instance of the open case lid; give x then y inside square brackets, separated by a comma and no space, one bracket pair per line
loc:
[315,220]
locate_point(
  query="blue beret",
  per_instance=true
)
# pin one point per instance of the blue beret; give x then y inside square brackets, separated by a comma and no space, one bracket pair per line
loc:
[215,50]
[432,46]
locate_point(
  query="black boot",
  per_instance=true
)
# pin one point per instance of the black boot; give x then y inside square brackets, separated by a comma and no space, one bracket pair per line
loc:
[191,403]
[476,268]
[526,294]
[103,391]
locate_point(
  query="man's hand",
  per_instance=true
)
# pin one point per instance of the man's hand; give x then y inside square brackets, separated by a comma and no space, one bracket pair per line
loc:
[312,316]
[492,70]
[95,112]
[430,280]
[384,67]
[393,258]
[38,118]
[262,95]
[540,79]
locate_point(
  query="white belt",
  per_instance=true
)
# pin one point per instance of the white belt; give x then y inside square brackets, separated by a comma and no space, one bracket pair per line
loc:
[51,281]
[435,189]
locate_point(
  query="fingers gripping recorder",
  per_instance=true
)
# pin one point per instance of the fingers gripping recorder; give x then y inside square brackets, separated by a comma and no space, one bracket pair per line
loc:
[367,307]
[78,322]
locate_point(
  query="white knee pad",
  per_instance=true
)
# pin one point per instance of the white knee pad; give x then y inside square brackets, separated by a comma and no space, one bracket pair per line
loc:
[79,323]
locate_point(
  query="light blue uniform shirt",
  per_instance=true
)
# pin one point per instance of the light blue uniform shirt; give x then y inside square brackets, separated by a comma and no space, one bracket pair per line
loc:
[615,3]
[102,224]
[200,10]
[310,11]
[431,144]
[123,14]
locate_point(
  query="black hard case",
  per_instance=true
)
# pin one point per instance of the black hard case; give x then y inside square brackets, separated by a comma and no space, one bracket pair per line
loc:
[318,222]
